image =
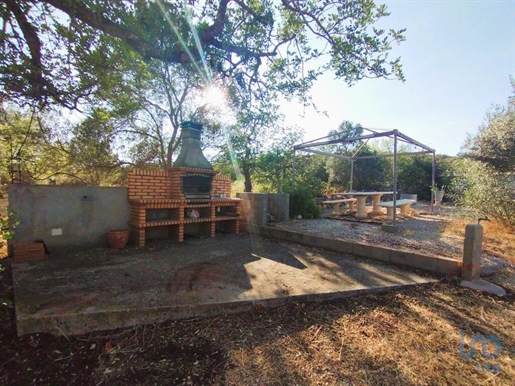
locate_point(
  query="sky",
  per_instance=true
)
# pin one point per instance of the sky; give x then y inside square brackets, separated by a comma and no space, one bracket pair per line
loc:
[457,60]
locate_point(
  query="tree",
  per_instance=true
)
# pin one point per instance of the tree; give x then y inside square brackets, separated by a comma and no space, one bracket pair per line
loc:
[257,122]
[51,49]
[161,98]
[415,175]
[91,156]
[273,170]
[484,174]
[372,173]
[477,185]
[494,144]
[27,151]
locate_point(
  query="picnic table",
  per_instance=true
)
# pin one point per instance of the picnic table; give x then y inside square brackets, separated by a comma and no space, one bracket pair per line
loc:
[403,204]
[361,197]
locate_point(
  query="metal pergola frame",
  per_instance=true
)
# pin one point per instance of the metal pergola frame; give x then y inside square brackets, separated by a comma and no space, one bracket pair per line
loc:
[374,133]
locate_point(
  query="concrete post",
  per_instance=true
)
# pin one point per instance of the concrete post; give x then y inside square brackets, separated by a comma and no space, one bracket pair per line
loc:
[472,249]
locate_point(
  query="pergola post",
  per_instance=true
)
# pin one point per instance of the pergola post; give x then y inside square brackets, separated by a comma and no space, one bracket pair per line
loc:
[351,174]
[293,173]
[433,179]
[395,177]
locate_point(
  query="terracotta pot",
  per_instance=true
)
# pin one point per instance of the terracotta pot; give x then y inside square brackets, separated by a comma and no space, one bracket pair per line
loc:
[118,239]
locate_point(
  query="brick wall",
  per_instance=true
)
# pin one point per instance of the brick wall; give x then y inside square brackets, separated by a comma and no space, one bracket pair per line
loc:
[221,185]
[160,185]
[148,184]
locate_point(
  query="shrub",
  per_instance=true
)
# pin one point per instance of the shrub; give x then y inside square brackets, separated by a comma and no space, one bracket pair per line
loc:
[303,203]
[487,191]
[7,226]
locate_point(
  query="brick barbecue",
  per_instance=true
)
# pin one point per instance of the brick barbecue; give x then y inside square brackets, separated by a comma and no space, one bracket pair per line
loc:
[189,199]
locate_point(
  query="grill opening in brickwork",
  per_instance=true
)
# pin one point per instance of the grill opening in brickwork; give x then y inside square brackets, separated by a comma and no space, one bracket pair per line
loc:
[197,185]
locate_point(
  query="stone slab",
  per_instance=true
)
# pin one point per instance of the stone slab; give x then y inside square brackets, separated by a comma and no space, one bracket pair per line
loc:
[75,294]
[484,286]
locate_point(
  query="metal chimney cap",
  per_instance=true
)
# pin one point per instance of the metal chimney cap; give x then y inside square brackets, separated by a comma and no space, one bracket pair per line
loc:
[191,125]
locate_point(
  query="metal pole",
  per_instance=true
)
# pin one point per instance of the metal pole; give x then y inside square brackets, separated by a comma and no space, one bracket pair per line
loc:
[293,173]
[351,173]
[395,177]
[433,185]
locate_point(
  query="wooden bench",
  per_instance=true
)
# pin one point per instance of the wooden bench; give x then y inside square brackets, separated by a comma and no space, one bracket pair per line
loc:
[336,204]
[404,205]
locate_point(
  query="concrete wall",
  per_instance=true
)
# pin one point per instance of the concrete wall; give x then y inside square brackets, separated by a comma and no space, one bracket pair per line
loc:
[256,206]
[68,217]
[279,206]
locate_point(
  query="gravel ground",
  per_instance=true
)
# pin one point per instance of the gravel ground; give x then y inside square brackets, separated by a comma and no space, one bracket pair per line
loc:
[422,232]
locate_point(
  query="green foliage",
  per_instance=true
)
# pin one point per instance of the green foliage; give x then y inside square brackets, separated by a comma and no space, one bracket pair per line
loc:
[485,176]
[494,144]
[371,173]
[28,149]
[346,130]
[257,125]
[311,174]
[8,225]
[415,174]
[274,171]
[59,56]
[479,186]
[91,150]
[303,203]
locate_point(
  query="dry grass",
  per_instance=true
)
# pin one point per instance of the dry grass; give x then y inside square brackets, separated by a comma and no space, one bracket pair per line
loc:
[498,239]
[411,337]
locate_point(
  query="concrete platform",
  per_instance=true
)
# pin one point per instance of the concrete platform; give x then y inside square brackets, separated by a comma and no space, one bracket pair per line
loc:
[104,289]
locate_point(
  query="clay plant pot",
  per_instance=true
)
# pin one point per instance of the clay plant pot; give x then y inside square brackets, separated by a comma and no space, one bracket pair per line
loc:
[117,239]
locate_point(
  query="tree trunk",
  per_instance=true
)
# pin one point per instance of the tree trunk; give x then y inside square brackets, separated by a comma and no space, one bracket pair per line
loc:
[248,182]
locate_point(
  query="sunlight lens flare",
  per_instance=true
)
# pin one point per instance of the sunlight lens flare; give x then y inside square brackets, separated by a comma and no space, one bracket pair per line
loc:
[215,97]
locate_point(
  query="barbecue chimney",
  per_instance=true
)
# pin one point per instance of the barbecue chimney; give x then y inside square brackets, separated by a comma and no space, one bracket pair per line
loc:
[191,153]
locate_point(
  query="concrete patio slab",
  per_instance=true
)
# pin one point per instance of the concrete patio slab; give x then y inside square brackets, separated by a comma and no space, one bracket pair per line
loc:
[103,289]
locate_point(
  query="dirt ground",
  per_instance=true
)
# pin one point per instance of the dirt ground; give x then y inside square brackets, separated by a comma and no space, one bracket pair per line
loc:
[410,337]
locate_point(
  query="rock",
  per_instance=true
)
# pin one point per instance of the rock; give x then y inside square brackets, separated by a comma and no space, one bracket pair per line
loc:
[483,286]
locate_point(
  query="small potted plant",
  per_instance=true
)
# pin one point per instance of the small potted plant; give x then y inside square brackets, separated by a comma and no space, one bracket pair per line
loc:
[439,193]
[118,239]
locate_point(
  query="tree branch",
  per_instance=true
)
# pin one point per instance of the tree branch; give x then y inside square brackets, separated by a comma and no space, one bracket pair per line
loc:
[81,12]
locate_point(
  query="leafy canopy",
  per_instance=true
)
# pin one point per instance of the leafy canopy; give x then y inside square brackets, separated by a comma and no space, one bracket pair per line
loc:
[494,144]
[57,51]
